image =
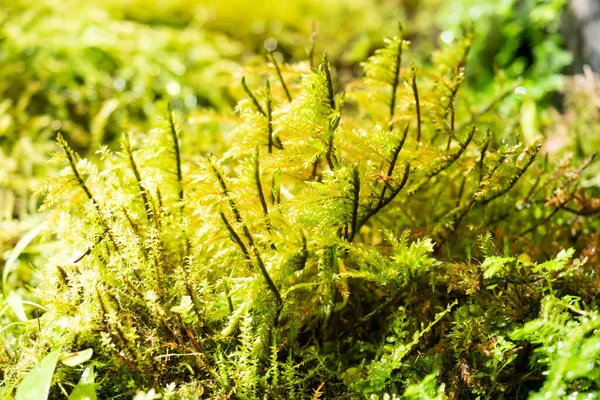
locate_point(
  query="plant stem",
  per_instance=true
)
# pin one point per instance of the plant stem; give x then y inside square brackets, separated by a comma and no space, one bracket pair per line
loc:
[395,83]
[417,103]
[285,88]
[173,131]
[252,97]
[355,201]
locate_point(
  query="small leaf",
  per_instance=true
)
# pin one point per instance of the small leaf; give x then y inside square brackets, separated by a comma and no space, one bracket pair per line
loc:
[79,357]
[85,389]
[36,384]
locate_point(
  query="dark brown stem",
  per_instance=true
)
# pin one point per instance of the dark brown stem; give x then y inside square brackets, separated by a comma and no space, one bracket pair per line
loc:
[327,71]
[452,157]
[394,160]
[138,178]
[536,183]
[452,117]
[417,104]
[175,138]
[329,154]
[71,157]
[548,218]
[355,201]
[315,169]
[225,192]
[131,360]
[285,88]
[248,236]
[261,194]
[268,279]
[515,177]
[461,190]
[229,302]
[252,97]
[386,201]
[89,250]
[395,83]
[236,238]
[269,117]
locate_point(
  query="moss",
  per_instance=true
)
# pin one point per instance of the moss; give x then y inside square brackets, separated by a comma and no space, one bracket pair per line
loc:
[380,240]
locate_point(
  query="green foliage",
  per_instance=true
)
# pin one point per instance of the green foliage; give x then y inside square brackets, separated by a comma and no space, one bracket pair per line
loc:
[567,332]
[86,76]
[319,250]
[85,388]
[426,389]
[518,36]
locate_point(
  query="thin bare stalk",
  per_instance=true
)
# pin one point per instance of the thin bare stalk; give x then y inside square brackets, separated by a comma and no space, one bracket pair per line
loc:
[177,155]
[417,103]
[252,97]
[280,77]
[395,82]
[387,200]
[261,195]
[269,117]
[394,160]
[71,157]
[327,71]
[236,238]
[142,190]
[355,201]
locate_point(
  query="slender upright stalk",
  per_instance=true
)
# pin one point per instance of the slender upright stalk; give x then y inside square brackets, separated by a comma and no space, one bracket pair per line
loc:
[327,71]
[138,178]
[252,97]
[395,83]
[355,201]
[175,138]
[393,162]
[261,194]
[417,104]
[269,117]
[280,77]
[71,157]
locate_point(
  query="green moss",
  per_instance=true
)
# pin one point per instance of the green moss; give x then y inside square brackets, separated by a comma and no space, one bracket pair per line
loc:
[324,245]
[407,235]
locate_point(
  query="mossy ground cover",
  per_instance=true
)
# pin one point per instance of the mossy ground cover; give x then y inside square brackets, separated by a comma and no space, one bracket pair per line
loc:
[396,228]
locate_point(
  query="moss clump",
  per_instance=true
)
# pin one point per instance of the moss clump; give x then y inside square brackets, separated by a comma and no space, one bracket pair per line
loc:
[340,245]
